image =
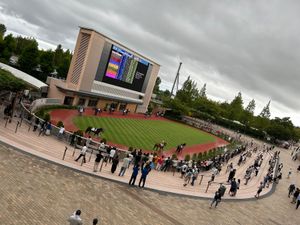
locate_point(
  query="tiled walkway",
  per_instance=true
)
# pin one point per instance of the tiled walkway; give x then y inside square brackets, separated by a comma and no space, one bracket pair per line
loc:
[35,192]
[52,149]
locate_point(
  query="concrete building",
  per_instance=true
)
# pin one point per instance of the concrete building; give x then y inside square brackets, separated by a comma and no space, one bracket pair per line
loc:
[104,73]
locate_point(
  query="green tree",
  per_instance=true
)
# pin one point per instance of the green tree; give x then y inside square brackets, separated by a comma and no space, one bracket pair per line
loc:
[29,58]
[156,86]
[22,43]
[46,61]
[188,93]
[236,108]
[9,46]
[265,113]
[2,30]
[282,129]
[251,107]
[58,56]
[202,93]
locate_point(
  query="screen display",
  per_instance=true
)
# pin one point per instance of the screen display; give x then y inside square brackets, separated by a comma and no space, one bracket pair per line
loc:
[125,69]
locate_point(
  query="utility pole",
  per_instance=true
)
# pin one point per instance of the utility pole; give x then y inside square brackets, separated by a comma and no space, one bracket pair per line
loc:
[176,81]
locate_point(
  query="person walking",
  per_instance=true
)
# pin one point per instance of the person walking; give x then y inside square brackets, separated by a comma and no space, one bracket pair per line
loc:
[75,218]
[115,162]
[233,187]
[134,174]
[298,202]
[99,156]
[61,132]
[260,188]
[217,199]
[82,154]
[125,165]
[144,175]
[289,173]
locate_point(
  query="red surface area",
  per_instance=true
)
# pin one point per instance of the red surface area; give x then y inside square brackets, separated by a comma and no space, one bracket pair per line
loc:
[66,115]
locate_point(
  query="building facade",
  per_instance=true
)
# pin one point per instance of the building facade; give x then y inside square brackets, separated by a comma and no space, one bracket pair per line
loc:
[104,73]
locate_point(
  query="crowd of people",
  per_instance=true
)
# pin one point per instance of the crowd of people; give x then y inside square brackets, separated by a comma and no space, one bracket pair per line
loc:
[295,193]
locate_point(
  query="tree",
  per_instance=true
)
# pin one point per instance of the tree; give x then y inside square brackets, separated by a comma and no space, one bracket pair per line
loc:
[9,46]
[29,58]
[265,113]
[188,92]
[58,56]
[203,91]
[156,86]
[2,30]
[251,107]
[22,43]
[236,108]
[46,62]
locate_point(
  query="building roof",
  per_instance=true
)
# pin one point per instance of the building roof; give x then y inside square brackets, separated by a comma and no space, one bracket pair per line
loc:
[24,76]
[103,95]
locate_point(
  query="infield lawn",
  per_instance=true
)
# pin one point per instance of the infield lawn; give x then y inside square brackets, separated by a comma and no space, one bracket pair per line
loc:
[140,133]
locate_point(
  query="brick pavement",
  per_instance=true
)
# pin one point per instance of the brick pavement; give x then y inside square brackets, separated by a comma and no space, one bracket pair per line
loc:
[52,149]
[35,192]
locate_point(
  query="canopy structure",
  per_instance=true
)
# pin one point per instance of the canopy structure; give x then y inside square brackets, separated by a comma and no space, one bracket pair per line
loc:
[24,76]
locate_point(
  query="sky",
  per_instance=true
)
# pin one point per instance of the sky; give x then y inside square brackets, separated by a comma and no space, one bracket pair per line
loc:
[231,45]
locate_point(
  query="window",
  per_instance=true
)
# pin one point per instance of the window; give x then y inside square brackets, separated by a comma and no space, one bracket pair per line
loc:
[81,101]
[68,100]
[92,102]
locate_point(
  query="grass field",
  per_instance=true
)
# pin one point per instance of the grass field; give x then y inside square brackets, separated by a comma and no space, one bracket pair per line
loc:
[140,133]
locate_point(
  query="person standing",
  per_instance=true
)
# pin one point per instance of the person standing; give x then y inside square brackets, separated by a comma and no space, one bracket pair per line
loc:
[115,162]
[75,218]
[125,165]
[95,221]
[216,199]
[82,154]
[144,175]
[97,161]
[61,132]
[291,189]
[134,174]
[112,154]
[295,195]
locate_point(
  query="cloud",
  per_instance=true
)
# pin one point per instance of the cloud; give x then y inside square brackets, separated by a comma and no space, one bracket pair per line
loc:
[247,46]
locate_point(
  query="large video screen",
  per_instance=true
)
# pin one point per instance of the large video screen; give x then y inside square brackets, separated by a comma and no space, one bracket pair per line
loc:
[125,69]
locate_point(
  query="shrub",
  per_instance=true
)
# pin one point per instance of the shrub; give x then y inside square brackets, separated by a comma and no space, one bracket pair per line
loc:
[46,117]
[104,140]
[60,124]
[200,156]
[174,156]
[187,157]
[194,157]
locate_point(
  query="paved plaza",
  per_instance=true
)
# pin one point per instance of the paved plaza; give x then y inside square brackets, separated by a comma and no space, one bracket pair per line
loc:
[33,191]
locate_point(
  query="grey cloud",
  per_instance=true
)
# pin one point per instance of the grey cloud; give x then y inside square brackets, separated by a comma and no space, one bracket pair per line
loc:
[248,46]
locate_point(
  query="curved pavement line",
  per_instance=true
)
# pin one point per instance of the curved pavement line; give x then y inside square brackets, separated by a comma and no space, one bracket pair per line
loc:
[166,193]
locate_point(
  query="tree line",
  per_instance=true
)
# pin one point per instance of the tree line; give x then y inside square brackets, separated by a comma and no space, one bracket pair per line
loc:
[234,115]
[32,60]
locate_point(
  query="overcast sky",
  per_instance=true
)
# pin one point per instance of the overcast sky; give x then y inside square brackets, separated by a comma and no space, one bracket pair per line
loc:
[248,46]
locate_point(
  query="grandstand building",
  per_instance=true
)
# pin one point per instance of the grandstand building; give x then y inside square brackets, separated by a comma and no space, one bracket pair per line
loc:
[104,73]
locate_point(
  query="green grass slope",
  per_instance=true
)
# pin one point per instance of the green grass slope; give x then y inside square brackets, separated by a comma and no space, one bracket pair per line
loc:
[143,134]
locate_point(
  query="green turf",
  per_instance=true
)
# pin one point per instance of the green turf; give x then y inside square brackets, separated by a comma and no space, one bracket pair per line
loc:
[140,133]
